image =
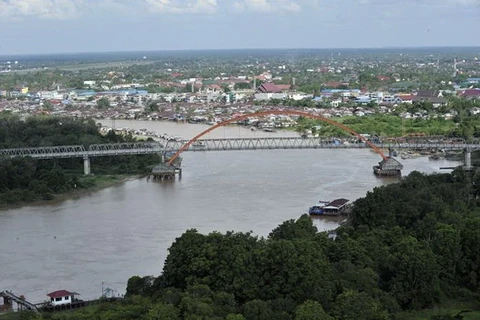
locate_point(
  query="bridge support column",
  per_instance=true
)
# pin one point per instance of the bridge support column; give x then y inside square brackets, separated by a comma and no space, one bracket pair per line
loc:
[468,159]
[86,165]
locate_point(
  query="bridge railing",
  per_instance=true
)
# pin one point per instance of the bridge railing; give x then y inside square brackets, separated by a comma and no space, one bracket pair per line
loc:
[124,148]
[132,148]
[269,143]
[45,152]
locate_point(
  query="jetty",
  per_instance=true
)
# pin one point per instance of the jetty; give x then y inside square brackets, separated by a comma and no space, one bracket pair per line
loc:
[388,166]
[165,172]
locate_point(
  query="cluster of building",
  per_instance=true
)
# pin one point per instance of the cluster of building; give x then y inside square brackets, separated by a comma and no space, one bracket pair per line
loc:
[215,99]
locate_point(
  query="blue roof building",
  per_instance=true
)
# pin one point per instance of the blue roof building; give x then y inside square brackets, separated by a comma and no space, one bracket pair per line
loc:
[473,80]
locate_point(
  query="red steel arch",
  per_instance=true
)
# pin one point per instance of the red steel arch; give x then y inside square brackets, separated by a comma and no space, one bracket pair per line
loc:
[274,112]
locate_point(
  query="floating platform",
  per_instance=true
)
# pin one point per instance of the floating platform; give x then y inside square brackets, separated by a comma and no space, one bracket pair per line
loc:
[165,172]
[388,167]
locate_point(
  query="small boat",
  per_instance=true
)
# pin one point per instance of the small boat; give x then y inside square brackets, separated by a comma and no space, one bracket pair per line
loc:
[317,209]
[330,208]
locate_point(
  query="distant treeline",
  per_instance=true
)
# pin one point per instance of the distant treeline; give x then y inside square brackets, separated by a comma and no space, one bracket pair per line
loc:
[27,179]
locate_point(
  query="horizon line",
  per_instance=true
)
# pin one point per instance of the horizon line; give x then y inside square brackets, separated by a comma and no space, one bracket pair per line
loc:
[244,49]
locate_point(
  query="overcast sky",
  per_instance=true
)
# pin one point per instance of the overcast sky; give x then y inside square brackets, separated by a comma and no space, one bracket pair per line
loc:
[55,26]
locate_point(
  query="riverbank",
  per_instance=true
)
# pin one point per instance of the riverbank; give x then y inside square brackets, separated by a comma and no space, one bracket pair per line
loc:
[94,184]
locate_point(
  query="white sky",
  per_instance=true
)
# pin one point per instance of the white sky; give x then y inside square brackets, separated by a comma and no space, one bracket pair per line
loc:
[57,26]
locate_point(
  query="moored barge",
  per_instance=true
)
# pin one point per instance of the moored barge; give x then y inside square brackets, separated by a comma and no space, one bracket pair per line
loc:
[330,208]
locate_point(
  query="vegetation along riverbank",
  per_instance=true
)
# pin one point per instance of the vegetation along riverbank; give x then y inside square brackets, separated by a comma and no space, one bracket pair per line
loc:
[410,251]
[25,180]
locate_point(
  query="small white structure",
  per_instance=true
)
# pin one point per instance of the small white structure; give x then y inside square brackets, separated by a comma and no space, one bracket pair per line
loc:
[62,297]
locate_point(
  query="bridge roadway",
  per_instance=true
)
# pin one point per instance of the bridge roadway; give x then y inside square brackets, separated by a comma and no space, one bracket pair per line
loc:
[121,149]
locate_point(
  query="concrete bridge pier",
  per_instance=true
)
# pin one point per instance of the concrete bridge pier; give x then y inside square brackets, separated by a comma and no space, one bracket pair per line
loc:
[86,165]
[468,159]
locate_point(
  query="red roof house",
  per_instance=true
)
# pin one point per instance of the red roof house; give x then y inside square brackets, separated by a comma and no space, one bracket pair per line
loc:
[61,297]
[271,87]
[471,94]
[284,87]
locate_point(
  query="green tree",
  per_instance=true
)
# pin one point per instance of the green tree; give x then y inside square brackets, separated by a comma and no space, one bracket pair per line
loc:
[470,262]
[103,103]
[302,228]
[413,274]
[152,107]
[242,86]
[311,310]
[447,247]
[296,269]
[196,308]
[162,311]
[139,285]
[257,310]
[47,105]
[352,305]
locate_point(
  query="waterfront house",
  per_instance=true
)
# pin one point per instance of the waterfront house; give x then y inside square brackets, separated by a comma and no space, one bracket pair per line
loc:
[62,297]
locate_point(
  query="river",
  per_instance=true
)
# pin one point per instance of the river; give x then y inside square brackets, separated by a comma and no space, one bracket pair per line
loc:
[110,235]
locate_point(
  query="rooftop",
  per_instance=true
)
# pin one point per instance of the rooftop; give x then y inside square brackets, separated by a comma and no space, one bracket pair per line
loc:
[338,203]
[61,293]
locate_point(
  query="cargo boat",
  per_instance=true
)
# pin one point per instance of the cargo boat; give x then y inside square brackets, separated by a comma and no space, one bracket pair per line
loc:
[330,208]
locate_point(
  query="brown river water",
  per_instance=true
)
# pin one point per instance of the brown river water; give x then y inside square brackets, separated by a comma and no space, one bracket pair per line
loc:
[103,238]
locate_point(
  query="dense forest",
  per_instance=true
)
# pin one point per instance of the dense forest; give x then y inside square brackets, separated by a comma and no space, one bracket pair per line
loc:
[27,179]
[410,250]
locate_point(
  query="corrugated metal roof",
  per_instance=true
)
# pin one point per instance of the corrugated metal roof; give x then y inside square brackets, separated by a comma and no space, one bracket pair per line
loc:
[61,293]
[337,203]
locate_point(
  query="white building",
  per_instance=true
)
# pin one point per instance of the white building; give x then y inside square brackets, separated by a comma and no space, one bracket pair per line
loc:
[299,96]
[50,95]
[90,83]
[62,297]
[268,96]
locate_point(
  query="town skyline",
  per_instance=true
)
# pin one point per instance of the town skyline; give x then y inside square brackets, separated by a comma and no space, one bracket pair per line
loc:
[226,50]
[69,26]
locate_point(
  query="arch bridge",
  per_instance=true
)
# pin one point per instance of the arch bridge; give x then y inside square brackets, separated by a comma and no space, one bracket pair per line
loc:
[200,144]
[277,112]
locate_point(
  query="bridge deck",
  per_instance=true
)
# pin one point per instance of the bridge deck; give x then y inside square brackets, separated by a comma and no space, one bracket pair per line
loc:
[120,149]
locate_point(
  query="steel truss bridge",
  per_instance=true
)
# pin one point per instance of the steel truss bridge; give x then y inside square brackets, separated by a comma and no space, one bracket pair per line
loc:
[227,144]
